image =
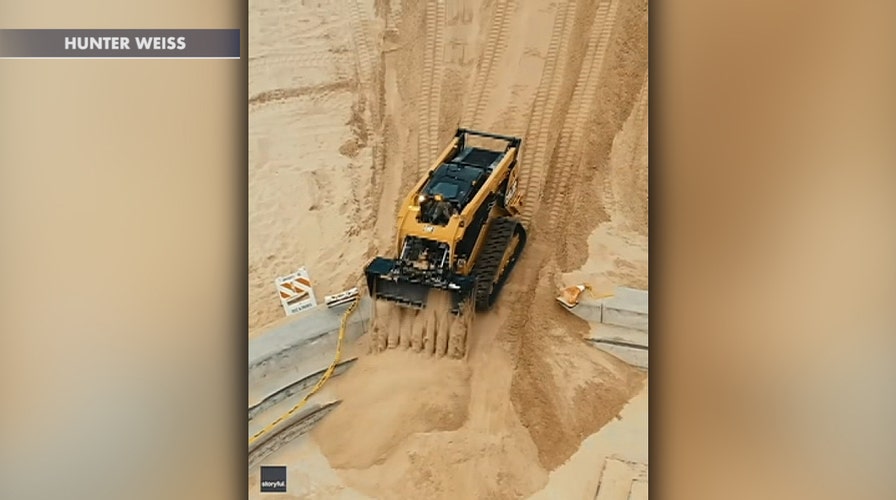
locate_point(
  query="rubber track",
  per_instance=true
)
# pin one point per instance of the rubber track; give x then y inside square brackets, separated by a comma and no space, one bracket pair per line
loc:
[545,100]
[581,106]
[487,265]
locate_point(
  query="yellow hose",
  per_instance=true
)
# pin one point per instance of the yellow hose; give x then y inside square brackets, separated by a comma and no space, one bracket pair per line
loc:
[320,383]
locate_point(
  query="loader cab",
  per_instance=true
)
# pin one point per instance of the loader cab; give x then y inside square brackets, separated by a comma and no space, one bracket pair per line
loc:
[453,184]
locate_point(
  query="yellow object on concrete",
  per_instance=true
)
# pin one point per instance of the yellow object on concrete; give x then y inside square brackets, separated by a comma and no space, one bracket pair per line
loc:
[569,296]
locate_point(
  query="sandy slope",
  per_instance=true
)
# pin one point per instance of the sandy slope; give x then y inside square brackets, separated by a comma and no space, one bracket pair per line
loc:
[338,139]
[309,162]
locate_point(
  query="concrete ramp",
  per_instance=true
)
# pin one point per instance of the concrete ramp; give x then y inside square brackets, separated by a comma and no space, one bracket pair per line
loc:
[619,324]
[627,308]
[628,345]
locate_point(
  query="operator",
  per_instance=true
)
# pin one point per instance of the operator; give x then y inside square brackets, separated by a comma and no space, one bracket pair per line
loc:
[442,210]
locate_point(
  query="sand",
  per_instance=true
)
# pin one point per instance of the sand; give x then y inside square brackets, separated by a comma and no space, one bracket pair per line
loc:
[309,158]
[433,330]
[624,439]
[410,395]
[350,102]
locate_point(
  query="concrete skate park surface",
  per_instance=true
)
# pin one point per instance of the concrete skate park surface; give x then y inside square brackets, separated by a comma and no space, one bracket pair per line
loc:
[298,348]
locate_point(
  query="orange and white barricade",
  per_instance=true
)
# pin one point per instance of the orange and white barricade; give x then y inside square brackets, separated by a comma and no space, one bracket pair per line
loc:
[295,292]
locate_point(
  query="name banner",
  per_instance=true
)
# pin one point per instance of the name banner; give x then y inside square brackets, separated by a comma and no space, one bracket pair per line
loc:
[119,44]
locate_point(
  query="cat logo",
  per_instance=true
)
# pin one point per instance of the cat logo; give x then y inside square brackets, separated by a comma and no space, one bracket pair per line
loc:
[428,229]
[511,191]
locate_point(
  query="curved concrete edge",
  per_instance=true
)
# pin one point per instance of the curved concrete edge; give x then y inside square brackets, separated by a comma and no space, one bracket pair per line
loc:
[293,388]
[309,339]
[292,428]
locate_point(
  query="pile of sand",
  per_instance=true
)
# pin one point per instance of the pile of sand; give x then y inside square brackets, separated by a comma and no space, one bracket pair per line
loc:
[389,398]
[418,426]
[486,454]
[331,161]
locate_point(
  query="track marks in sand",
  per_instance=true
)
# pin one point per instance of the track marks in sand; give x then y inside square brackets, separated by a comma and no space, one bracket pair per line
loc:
[309,57]
[430,91]
[596,91]
[393,18]
[278,95]
[494,48]
[610,153]
[622,179]
[563,174]
[365,65]
[361,40]
[537,154]
[369,69]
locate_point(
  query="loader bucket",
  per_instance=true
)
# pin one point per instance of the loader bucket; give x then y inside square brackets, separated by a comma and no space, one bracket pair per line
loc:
[383,283]
[409,295]
[383,286]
